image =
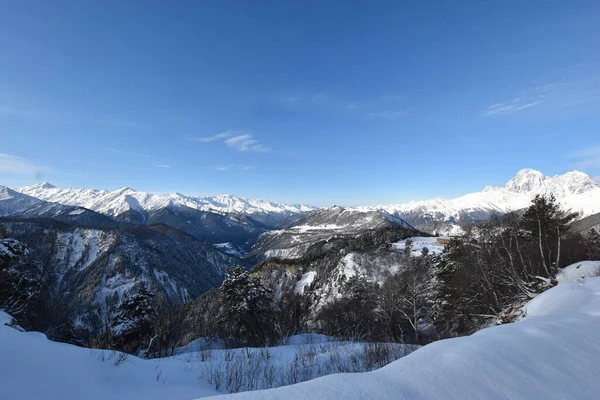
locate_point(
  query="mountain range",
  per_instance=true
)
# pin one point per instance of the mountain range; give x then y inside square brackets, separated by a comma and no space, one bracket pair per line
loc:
[95,245]
[575,190]
[126,200]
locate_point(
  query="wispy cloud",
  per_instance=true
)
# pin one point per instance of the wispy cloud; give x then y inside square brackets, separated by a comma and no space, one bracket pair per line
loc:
[510,107]
[18,166]
[214,138]
[245,143]
[127,153]
[162,166]
[239,140]
[574,92]
[587,158]
[234,167]
[15,105]
[380,107]
[387,114]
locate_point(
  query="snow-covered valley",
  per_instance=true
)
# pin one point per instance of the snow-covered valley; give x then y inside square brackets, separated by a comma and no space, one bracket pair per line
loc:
[552,354]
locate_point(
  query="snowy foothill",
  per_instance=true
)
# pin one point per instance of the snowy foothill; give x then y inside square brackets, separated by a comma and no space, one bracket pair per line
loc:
[418,243]
[553,353]
[33,367]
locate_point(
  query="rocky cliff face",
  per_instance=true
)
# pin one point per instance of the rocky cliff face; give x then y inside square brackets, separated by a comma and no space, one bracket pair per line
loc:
[89,270]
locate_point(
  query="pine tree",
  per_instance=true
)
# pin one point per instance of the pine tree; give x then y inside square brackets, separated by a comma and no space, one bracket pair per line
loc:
[593,244]
[443,296]
[246,313]
[135,318]
[19,282]
[546,224]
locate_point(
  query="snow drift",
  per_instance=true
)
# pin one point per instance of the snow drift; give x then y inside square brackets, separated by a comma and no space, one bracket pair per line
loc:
[551,354]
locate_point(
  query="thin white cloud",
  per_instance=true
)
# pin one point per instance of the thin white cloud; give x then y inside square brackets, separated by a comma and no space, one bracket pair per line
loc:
[245,143]
[586,158]
[14,165]
[26,107]
[390,98]
[162,166]
[319,97]
[127,153]
[573,92]
[591,151]
[234,167]
[214,138]
[588,163]
[239,140]
[387,114]
[510,107]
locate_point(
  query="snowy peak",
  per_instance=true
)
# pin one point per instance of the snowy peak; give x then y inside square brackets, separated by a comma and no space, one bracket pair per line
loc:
[126,199]
[575,182]
[574,190]
[532,181]
[526,180]
[40,186]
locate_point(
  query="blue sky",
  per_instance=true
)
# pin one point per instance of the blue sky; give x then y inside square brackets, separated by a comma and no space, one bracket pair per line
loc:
[322,102]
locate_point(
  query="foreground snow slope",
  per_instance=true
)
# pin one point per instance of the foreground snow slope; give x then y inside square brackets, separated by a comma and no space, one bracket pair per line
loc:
[32,367]
[554,353]
[580,270]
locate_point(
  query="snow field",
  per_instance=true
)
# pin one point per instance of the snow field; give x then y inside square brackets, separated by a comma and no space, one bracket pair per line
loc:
[32,367]
[580,270]
[419,243]
[551,354]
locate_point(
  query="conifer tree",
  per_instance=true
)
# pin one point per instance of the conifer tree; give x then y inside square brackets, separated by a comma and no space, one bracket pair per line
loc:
[442,292]
[133,323]
[19,282]
[593,243]
[246,311]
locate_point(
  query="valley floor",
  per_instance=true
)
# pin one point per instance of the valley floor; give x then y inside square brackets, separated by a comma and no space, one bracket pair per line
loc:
[553,353]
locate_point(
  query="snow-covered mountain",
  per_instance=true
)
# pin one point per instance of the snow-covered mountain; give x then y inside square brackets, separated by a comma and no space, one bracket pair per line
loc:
[322,224]
[575,191]
[124,200]
[18,205]
[89,268]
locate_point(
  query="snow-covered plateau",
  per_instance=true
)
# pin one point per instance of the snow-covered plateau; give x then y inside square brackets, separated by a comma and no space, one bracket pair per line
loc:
[552,353]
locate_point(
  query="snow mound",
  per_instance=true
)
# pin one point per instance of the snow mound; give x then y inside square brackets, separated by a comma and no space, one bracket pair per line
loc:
[419,243]
[307,338]
[580,270]
[32,367]
[551,354]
